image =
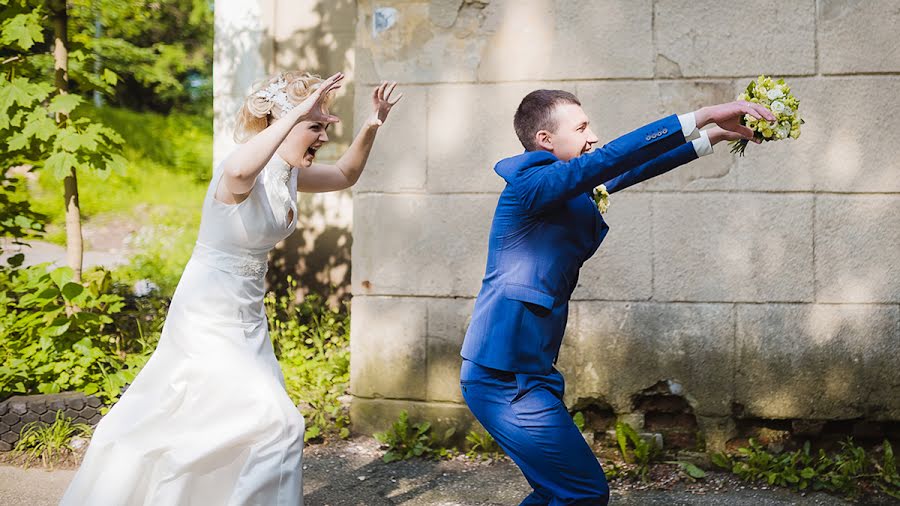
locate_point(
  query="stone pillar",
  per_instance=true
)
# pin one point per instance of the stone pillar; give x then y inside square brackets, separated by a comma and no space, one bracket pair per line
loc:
[253,40]
[243,54]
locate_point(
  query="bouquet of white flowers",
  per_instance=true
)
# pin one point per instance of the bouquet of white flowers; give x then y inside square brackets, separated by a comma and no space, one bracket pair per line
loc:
[777,97]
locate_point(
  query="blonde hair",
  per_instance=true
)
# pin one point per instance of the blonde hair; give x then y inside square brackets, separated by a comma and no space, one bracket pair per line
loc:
[259,112]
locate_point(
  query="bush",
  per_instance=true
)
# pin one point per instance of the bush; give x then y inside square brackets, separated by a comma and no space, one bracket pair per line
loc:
[842,472]
[58,335]
[312,343]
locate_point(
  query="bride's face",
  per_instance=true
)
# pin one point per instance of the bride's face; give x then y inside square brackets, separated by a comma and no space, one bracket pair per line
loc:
[300,146]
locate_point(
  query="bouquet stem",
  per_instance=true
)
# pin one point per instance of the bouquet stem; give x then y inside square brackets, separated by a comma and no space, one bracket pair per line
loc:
[739,146]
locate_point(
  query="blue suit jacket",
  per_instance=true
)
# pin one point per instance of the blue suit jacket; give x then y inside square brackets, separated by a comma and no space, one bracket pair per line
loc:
[545,226]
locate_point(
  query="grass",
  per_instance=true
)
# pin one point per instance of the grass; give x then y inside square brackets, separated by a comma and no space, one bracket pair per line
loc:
[51,443]
[160,194]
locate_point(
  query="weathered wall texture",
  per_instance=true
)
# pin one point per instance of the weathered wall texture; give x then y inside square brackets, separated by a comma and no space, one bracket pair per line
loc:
[255,39]
[764,287]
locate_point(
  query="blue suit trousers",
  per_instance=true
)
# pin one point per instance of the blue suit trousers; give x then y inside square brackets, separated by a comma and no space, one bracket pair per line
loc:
[526,416]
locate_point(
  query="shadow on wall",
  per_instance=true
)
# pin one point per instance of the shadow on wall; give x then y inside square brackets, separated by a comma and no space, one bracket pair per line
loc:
[318,36]
[317,255]
[320,39]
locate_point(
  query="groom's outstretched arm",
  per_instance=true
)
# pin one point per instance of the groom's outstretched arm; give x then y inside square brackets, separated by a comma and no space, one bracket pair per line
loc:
[659,165]
[546,183]
[701,145]
[543,184]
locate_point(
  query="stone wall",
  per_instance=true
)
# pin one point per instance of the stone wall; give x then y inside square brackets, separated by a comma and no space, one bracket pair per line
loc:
[762,287]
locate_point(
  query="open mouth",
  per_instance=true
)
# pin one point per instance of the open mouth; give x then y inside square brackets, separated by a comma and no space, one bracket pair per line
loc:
[311,152]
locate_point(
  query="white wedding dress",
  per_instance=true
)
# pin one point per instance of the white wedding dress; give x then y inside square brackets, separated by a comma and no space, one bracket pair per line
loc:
[208,422]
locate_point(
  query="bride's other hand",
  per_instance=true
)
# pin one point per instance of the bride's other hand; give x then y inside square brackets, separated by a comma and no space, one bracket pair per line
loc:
[382,102]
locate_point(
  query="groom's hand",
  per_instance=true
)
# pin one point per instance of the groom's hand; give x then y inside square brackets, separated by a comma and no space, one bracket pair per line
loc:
[728,116]
[718,134]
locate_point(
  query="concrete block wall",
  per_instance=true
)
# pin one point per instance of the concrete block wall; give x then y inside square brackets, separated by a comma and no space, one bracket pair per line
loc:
[18,411]
[766,286]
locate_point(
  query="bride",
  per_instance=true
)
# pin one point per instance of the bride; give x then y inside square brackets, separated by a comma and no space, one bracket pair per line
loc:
[208,421]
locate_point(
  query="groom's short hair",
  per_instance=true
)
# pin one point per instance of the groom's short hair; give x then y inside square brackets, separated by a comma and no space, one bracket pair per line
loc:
[535,113]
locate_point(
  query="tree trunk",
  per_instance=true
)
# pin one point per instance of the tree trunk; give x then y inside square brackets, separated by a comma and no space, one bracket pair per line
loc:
[74,243]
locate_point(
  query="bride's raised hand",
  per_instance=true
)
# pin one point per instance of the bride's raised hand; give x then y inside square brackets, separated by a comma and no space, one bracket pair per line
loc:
[311,109]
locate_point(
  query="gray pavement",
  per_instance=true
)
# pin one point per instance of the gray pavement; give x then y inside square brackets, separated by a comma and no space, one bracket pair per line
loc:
[352,473]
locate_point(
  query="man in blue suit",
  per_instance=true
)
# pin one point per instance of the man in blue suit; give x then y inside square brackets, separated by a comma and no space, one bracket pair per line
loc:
[545,226]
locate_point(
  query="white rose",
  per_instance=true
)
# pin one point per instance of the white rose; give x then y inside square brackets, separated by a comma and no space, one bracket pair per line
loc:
[774,94]
[777,107]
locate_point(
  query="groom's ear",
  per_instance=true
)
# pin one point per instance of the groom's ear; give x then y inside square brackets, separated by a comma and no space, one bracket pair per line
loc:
[544,140]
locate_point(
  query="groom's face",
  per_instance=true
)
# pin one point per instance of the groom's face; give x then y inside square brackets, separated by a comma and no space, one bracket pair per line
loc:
[573,136]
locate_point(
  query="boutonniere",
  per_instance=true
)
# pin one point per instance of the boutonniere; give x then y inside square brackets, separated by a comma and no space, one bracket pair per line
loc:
[601,198]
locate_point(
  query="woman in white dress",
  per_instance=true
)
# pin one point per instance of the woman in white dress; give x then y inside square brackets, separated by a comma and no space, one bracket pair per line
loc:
[207,421]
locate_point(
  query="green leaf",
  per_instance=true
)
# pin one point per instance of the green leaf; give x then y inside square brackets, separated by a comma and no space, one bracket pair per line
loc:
[579,421]
[692,470]
[64,104]
[58,330]
[39,125]
[23,30]
[312,433]
[83,346]
[110,77]
[23,92]
[72,290]
[18,141]
[622,439]
[70,139]
[16,260]
[62,275]
[60,164]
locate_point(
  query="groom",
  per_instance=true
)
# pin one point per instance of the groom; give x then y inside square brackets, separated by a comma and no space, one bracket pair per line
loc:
[545,226]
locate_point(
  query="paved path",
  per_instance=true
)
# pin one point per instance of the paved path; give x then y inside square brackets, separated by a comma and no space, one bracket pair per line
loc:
[352,474]
[41,252]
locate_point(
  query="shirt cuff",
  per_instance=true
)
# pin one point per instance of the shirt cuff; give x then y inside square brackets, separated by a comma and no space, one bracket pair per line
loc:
[689,126]
[702,145]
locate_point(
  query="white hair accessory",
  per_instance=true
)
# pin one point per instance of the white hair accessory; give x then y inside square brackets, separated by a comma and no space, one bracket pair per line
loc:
[275,93]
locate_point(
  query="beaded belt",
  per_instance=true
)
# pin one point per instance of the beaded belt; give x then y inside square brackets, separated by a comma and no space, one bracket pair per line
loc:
[250,266]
